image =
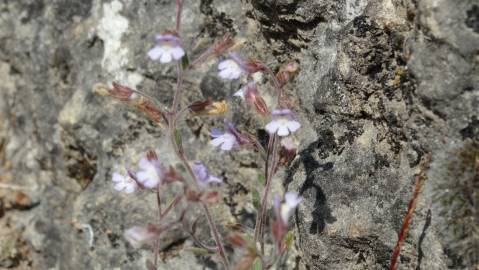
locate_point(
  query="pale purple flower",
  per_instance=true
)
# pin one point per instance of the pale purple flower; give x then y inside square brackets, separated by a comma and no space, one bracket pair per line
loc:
[124,183]
[167,48]
[151,173]
[203,175]
[231,68]
[228,139]
[139,236]
[286,209]
[283,123]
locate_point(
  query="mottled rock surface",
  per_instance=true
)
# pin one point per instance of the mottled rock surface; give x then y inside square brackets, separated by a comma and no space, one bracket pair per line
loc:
[382,83]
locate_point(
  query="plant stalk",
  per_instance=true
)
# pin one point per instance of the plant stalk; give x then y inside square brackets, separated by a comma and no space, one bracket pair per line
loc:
[269,170]
[214,230]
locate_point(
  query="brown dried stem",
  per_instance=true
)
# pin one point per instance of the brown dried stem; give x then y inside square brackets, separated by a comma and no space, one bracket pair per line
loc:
[420,179]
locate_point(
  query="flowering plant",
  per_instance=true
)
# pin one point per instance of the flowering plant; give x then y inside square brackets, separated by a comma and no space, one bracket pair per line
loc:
[151,174]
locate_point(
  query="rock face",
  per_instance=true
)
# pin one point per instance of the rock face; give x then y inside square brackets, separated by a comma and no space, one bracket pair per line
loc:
[382,84]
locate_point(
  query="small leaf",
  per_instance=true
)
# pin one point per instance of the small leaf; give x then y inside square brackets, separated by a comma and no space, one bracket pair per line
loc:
[237,240]
[257,265]
[198,251]
[289,239]
[261,179]
[250,244]
[256,199]
[178,141]
[185,62]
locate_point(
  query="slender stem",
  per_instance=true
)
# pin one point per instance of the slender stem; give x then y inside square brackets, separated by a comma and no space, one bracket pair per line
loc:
[216,235]
[257,227]
[419,183]
[211,223]
[272,148]
[272,169]
[157,241]
[171,206]
[179,152]
[179,8]
[178,91]
[276,83]
[201,245]
[158,201]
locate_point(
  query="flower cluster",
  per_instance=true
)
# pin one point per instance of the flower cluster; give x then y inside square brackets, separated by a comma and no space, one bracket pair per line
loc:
[283,122]
[151,175]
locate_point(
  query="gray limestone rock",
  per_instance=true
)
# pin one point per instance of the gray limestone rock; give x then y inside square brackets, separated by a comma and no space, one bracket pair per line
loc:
[382,83]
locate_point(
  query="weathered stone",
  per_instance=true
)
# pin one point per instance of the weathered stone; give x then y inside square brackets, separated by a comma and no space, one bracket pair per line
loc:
[381,83]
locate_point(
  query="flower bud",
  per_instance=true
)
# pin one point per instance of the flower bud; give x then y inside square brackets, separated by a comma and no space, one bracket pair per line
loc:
[202,108]
[139,236]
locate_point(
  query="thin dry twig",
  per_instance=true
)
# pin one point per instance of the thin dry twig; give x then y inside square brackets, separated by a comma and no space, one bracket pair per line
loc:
[420,179]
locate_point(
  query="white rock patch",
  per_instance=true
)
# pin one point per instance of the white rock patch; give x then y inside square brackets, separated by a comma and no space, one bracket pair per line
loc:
[111,29]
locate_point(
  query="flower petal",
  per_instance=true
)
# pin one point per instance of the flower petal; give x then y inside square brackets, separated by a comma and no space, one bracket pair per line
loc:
[283,130]
[166,57]
[214,179]
[200,171]
[144,163]
[117,177]
[272,126]
[142,176]
[239,93]
[215,133]
[235,73]
[177,52]
[225,73]
[228,144]
[224,64]
[217,141]
[293,125]
[130,188]
[119,186]
[292,199]
[156,52]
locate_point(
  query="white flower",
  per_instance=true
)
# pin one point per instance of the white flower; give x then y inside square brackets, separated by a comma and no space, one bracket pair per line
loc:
[150,173]
[138,236]
[291,201]
[124,183]
[283,123]
[231,68]
[166,49]
[226,141]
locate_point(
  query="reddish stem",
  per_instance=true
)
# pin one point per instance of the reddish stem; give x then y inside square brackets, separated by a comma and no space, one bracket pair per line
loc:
[420,179]
[258,232]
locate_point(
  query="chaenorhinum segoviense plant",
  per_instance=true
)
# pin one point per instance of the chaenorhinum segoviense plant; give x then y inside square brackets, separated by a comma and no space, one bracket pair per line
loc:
[197,185]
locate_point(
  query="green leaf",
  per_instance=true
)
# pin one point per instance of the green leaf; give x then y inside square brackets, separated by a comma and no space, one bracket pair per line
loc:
[289,239]
[198,251]
[185,62]
[250,244]
[256,199]
[179,141]
[261,179]
[257,265]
